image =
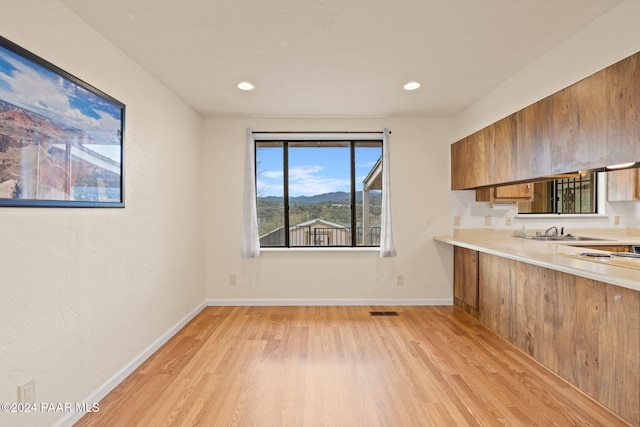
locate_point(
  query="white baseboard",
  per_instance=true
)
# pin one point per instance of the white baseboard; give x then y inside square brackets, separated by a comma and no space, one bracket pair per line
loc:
[104,389]
[326,302]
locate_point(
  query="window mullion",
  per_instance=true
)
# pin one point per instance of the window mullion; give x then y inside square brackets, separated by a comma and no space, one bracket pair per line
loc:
[285,174]
[354,239]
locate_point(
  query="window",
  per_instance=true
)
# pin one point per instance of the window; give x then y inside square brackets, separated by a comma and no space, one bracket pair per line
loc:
[575,194]
[318,193]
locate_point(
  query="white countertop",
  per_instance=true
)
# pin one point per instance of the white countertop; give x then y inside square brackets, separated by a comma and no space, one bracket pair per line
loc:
[548,254]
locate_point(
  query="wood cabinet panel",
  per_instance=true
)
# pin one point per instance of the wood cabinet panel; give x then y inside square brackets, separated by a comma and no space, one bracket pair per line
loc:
[585,331]
[534,124]
[513,192]
[463,162]
[623,185]
[564,130]
[619,376]
[623,118]
[525,328]
[590,148]
[485,157]
[457,165]
[495,293]
[505,151]
[505,193]
[579,125]
[465,276]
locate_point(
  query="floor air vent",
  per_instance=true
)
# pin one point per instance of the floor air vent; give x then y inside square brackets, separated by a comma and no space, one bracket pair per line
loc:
[383,313]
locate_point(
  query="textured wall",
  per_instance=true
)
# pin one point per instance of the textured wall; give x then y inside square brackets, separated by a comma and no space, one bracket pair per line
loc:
[85,291]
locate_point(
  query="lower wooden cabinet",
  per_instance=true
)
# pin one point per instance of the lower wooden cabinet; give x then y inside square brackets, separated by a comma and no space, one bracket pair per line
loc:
[465,279]
[583,330]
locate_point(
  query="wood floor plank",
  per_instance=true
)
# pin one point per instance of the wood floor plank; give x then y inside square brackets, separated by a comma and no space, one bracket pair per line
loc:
[339,366]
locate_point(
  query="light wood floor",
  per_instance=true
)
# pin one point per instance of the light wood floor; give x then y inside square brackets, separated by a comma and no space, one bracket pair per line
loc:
[338,366]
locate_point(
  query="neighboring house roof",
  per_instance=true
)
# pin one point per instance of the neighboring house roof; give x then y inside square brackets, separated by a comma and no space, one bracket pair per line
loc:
[315,221]
[277,230]
[306,224]
[373,181]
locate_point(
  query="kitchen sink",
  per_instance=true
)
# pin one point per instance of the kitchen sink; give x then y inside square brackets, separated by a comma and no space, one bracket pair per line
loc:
[566,238]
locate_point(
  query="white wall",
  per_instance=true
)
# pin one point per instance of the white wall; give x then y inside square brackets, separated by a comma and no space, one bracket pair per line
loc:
[420,174]
[609,39]
[84,291]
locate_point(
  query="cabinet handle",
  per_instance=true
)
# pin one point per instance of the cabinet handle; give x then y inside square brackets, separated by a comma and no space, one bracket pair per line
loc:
[473,257]
[528,188]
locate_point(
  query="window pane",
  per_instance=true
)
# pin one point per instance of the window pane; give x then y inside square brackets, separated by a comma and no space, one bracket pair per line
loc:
[319,194]
[368,163]
[576,195]
[270,193]
[563,196]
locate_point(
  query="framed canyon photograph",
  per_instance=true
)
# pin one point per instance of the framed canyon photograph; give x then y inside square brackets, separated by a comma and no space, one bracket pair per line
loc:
[61,139]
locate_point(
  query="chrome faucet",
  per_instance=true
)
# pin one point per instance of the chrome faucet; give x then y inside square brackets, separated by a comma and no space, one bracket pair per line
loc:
[546,232]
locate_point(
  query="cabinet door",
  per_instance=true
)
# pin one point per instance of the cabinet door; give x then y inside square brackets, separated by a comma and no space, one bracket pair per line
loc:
[457,165]
[590,149]
[579,125]
[463,165]
[472,160]
[513,192]
[505,193]
[534,128]
[623,118]
[505,151]
[565,129]
[465,276]
[623,185]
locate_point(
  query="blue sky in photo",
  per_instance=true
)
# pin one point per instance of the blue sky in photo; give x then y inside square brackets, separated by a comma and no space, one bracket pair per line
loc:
[312,170]
[33,87]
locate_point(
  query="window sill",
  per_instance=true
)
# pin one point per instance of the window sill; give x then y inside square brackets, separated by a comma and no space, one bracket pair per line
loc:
[321,249]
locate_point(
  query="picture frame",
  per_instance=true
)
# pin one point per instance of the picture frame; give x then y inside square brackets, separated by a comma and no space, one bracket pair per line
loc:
[61,139]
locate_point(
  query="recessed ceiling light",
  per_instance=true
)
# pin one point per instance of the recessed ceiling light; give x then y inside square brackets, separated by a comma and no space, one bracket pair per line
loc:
[245,86]
[412,86]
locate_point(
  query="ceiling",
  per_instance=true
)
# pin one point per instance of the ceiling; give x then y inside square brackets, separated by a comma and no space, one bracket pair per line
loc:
[335,58]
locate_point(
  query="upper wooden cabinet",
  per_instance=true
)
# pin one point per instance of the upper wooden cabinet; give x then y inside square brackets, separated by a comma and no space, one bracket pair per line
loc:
[580,126]
[505,193]
[534,123]
[623,185]
[623,114]
[504,166]
[591,124]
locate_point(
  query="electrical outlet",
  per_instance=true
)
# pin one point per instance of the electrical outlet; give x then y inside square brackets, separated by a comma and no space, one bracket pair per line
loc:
[507,221]
[400,280]
[616,220]
[427,221]
[456,221]
[487,221]
[27,392]
[233,280]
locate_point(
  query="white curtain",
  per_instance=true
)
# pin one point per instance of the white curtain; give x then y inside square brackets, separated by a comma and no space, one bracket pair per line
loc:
[250,238]
[387,246]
